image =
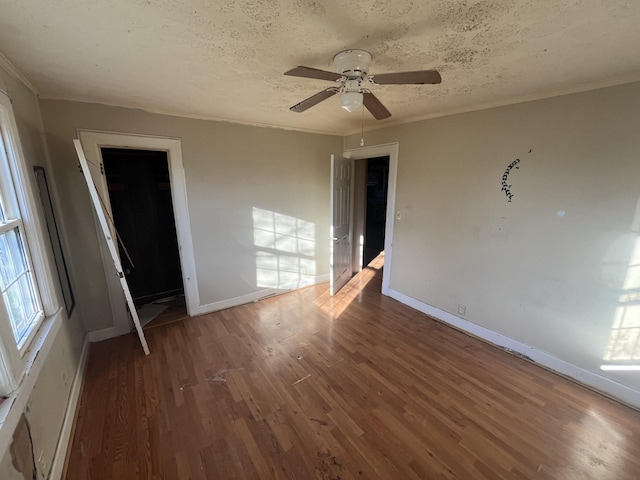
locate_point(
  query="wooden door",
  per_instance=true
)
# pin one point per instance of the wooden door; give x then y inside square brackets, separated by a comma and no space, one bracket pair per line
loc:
[340,223]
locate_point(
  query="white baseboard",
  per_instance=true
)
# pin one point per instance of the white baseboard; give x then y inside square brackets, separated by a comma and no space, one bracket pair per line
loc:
[591,379]
[111,332]
[60,456]
[105,334]
[254,296]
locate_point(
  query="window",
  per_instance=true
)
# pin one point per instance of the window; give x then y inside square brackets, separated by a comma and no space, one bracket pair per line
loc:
[16,281]
[25,279]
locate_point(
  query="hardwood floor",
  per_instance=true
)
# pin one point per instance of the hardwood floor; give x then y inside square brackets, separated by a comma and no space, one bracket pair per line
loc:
[356,386]
[176,311]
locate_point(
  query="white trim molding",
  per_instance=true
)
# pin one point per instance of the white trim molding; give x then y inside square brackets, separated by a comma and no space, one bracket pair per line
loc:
[60,456]
[390,149]
[11,69]
[606,386]
[21,204]
[105,334]
[255,296]
[92,141]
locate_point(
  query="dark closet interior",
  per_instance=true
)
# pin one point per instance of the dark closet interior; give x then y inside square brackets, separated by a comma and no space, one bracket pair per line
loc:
[376,212]
[140,196]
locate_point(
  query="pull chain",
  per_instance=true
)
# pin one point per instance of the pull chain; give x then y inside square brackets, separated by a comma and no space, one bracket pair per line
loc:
[362,130]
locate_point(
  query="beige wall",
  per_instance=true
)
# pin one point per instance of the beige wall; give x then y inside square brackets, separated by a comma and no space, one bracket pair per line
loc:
[522,269]
[48,402]
[233,174]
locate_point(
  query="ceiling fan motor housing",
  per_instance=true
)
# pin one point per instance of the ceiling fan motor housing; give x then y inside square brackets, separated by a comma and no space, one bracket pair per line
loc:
[353,63]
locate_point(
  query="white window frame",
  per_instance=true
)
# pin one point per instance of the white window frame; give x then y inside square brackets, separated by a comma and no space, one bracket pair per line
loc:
[16,224]
[18,192]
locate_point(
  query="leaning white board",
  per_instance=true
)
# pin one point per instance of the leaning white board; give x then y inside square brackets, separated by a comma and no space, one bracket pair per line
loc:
[102,219]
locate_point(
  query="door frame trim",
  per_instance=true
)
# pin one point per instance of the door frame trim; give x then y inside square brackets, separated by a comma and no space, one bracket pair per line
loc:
[390,150]
[92,142]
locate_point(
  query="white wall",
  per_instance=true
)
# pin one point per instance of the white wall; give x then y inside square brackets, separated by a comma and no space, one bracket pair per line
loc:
[235,176]
[47,404]
[522,269]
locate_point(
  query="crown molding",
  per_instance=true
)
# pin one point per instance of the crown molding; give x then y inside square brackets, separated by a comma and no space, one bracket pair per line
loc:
[17,74]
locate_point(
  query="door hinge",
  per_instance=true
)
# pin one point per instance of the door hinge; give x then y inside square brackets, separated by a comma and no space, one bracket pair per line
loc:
[120,275]
[101,168]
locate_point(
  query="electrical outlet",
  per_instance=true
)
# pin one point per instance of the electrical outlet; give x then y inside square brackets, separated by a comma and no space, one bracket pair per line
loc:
[461,309]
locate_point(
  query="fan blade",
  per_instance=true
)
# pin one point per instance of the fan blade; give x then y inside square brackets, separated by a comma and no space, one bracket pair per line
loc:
[377,109]
[420,77]
[314,100]
[308,72]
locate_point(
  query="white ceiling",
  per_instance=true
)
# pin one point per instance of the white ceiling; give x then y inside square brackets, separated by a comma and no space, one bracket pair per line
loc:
[226,59]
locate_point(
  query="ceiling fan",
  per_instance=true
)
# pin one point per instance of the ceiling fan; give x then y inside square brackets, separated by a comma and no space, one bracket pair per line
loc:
[352,67]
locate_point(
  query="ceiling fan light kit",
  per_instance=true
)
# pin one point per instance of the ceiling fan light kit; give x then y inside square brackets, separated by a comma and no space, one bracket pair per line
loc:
[351,101]
[352,68]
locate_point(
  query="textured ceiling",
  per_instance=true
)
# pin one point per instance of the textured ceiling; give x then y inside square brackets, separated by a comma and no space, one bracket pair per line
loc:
[226,59]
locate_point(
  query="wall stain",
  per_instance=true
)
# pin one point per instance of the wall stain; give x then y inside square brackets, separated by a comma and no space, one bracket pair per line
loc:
[463,17]
[392,9]
[443,43]
[461,56]
[482,14]
[309,7]
[22,456]
[261,10]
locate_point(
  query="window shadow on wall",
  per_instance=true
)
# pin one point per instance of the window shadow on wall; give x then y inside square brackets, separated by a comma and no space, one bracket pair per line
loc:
[285,250]
[623,349]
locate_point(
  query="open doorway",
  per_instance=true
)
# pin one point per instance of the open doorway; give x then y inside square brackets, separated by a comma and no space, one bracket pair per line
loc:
[371,186]
[139,188]
[376,207]
[388,152]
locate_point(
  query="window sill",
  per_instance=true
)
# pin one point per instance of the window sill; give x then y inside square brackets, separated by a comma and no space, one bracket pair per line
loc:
[11,409]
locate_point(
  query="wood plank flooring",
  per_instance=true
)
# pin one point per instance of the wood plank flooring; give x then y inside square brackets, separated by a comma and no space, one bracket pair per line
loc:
[176,311]
[358,386]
